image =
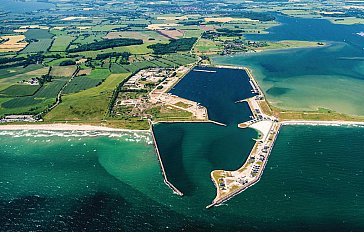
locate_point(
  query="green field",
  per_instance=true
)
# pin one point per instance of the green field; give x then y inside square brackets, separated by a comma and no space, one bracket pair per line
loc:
[56,62]
[41,45]
[15,71]
[19,90]
[91,104]
[166,61]
[11,76]
[80,83]
[133,49]
[62,71]
[37,34]
[41,100]
[61,43]
[89,38]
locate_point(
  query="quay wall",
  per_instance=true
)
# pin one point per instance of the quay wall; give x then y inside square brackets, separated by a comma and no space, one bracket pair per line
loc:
[166,181]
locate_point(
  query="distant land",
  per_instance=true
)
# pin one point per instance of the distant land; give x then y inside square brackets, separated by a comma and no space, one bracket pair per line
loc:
[181,115]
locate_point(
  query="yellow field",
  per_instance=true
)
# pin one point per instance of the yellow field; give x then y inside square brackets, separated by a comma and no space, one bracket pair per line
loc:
[171,18]
[161,26]
[84,72]
[145,35]
[83,28]
[228,19]
[20,30]
[34,27]
[74,18]
[13,44]
[63,71]
[346,20]
[172,33]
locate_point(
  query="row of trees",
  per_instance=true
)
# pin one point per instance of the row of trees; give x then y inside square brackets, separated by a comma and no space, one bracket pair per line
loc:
[123,55]
[173,46]
[107,43]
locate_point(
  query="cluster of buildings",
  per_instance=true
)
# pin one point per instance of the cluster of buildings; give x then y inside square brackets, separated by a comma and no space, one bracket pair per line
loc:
[135,98]
[31,81]
[147,78]
[18,118]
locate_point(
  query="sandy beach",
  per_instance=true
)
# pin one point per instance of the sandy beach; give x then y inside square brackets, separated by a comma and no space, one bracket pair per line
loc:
[323,123]
[62,127]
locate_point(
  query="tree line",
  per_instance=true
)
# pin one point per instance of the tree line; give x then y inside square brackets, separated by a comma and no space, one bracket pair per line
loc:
[107,43]
[173,46]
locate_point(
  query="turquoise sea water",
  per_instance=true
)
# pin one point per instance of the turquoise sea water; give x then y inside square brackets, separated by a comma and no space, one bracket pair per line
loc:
[330,77]
[112,182]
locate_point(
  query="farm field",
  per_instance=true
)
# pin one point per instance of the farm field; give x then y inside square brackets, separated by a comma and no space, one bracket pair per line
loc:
[80,83]
[62,71]
[205,46]
[13,43]
[91,104]
[166,61]
[61,43]
[172,34]
[146,36]
[42,45]
[40,101]
[19,90]
[14,75]
[133,49]
[37,34]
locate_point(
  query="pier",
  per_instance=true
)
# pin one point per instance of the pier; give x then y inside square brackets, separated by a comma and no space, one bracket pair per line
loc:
[166,181]
[201,70]
[230,183]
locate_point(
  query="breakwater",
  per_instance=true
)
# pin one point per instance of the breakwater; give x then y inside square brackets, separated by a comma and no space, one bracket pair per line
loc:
[166,181]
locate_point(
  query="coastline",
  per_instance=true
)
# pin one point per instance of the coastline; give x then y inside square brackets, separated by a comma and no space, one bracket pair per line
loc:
[321,123]
[227,182]
[63,127]
[164,174]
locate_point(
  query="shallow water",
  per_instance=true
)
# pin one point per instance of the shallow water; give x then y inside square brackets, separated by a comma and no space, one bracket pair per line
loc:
[330,77]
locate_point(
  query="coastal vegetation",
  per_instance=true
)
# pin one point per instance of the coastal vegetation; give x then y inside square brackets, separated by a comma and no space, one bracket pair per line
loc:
[173,46]
[109,43]
[129,64]
[78,55]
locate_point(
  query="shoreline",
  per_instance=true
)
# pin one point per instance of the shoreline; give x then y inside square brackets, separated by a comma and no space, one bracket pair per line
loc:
[164,174]
[320,123]
[63,127]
